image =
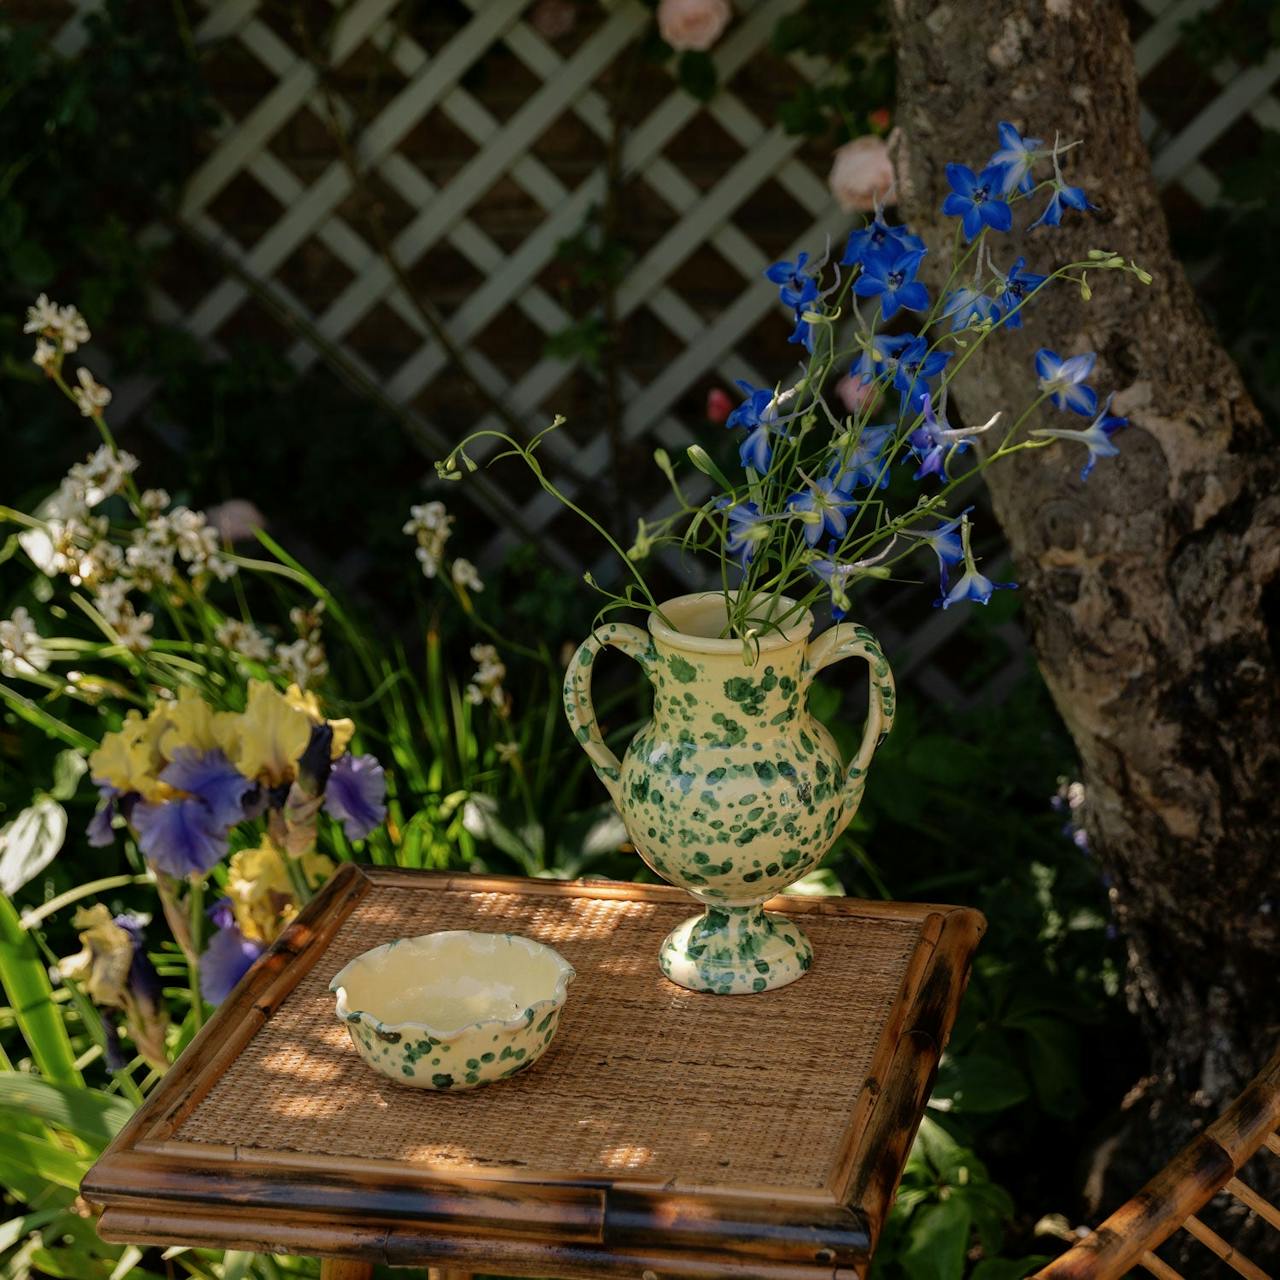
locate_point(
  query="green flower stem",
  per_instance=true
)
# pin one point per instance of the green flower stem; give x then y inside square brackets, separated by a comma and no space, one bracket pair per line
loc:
[195,918]
[30,919]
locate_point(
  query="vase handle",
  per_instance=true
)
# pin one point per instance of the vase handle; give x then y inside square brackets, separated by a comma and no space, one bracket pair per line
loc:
[578,707]
[849,640]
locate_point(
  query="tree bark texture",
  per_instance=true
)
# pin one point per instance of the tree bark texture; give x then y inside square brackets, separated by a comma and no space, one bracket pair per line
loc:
[1153,590]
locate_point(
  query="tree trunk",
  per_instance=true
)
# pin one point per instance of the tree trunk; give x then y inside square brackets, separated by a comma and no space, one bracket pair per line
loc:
[1152,591]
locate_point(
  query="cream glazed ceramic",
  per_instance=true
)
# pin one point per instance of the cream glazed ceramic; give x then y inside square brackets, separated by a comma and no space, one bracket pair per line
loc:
[732,791]
[452,1010]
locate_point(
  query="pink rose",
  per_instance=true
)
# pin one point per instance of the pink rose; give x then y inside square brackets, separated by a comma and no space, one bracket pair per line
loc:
[693,24]
[553,19]
[861,174]
[236,519]
[719,405]
[853,393]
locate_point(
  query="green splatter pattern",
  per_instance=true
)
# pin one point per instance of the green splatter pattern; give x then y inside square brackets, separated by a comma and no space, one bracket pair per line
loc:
[732,790]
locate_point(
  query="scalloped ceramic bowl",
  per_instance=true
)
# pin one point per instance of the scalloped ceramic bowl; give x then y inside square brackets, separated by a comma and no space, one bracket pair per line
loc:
[452,1010]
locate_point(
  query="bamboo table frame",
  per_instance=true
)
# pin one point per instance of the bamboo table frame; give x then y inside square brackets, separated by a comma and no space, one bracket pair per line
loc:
[154,1188]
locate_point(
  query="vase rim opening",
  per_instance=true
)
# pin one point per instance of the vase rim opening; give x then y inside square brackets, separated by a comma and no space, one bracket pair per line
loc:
[698,619]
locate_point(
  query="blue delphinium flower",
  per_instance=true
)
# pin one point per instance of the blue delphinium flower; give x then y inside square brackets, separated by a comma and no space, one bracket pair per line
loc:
[797,288]
[1065,380]
[747,530]
[1019,284]
[1016,157]
[228,957]
[864,463]
[933,442]
[879,238]
[1096,437]
[969,306]
[971,585]
[916,366]
[880,355]
[974,586]
[827,508]
[891,277]
[945,543]
[356,794]
[757,416]
[836,576]
[1063,197]
[977,199]
[802,334]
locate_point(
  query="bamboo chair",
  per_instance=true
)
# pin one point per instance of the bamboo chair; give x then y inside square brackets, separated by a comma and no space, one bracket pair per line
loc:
[1208,1164]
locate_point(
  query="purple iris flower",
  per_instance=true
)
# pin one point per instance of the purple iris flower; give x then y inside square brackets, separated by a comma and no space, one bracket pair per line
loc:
[1019,284]
[829,504]
[797,288]
[1065,380]
[211,777]
[228,957]
[864,463]
[1016,157]
[977,199]
[969,306]
[100,830]
[916,365]
[180,837]
[356,794]
[742,538]
[143,980]
[879,356]
[1096,437]
[1064,197]
[879,238]
[891,277]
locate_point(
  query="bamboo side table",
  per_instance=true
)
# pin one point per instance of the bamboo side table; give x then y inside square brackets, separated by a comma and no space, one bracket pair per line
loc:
[665,1133]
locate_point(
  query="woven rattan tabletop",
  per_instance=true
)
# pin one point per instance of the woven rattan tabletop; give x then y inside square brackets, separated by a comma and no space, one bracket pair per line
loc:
[777,1121]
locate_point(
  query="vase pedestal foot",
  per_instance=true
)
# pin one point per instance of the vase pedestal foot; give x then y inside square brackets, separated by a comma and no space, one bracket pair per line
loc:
[735,951]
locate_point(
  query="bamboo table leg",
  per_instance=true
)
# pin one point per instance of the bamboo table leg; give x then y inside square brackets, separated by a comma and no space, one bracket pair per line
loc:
[345,1269]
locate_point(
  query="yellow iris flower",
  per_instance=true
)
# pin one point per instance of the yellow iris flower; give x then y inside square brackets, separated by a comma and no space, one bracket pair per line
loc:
[261,892]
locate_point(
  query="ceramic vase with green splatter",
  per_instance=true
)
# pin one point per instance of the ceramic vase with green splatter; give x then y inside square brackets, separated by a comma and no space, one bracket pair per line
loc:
[732,790]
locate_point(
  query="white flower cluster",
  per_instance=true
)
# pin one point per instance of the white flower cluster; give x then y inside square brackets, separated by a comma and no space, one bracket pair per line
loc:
[245,639]
[430,524]
[21,651]
[465,575]
[132,629]
[486,683]
[60,329]
[304,660]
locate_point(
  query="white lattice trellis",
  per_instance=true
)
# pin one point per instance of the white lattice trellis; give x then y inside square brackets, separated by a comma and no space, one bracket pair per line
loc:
[444,215]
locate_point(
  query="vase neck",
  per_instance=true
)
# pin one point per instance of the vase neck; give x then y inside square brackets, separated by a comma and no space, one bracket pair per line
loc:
[766,693]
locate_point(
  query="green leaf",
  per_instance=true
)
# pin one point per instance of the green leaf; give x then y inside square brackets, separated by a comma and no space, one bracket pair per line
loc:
[26,983]
[1006,1268]
[31,266]
[30,842]
[68,768]
[939,1238]
[12,218]
[981,1084]
[697,75]
[18,1228]
[1053,1054]
[44,1158]
[819,883]
[93,1117]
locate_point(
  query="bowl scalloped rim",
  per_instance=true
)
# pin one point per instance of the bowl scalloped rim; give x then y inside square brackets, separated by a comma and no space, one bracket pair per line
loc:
[557,998]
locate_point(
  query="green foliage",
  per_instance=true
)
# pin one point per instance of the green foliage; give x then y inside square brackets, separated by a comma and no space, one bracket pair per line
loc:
[1244,30]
